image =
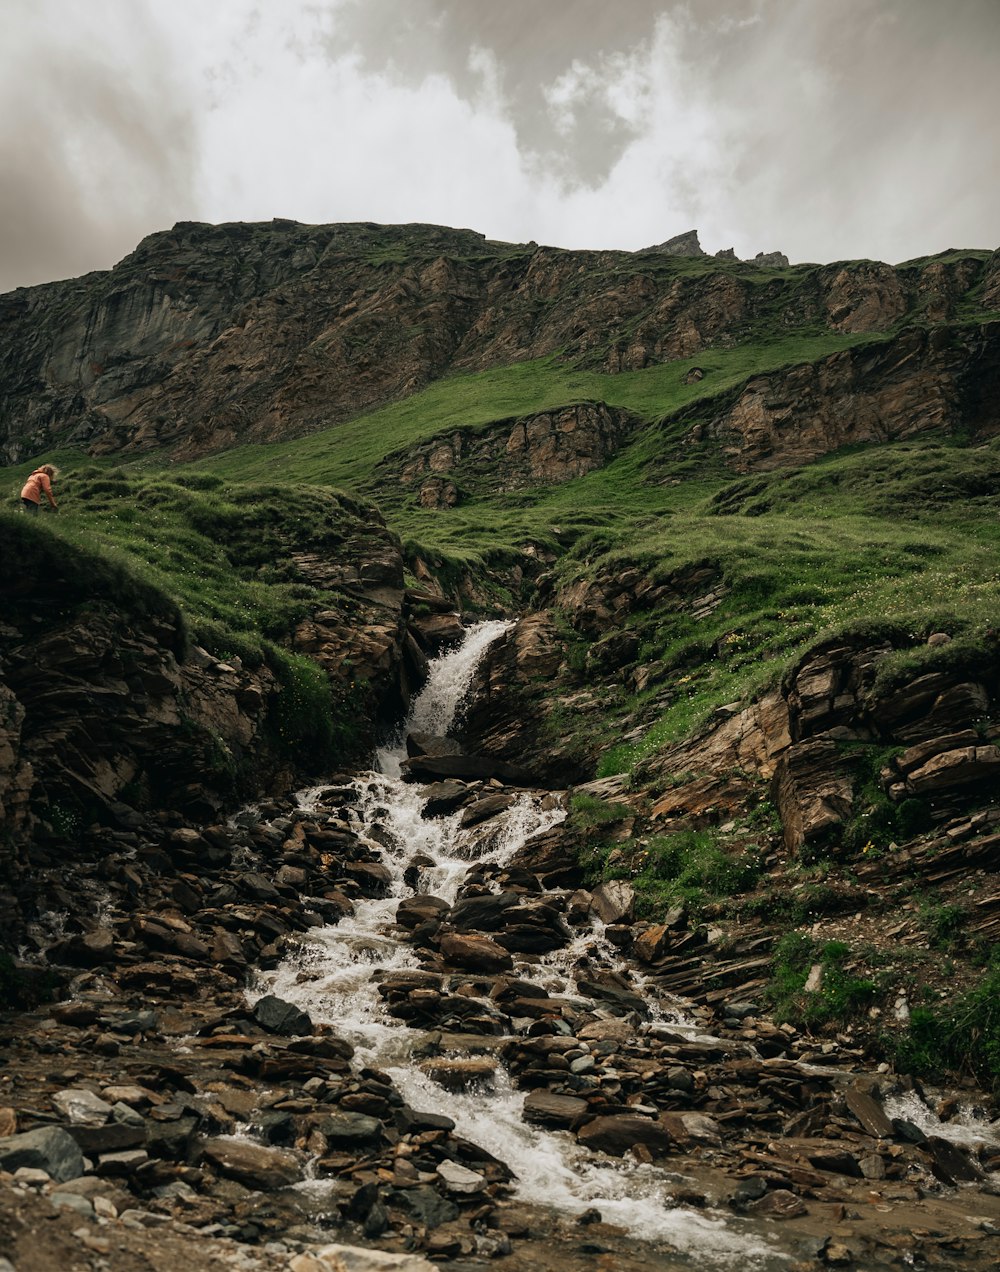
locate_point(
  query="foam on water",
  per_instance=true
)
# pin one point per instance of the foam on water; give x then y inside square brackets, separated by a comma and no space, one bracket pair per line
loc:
[969,1127]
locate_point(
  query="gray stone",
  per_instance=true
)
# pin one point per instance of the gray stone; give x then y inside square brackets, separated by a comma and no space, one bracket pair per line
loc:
[459,1179]
[49,1148]
[428,1206]
[281,1017]
[345,1130]
[82,1107]
[614,901]
[70,1201]
[343,1258]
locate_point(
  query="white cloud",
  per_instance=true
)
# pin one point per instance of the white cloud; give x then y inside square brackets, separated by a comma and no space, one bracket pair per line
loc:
[858,129]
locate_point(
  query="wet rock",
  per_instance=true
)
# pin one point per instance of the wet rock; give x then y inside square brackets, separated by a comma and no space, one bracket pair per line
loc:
[348,1130]
[619,1133]
[373,879]
[430,744]
[280,1017]
[49,1148]
[949,1162]
[619,1000]
[459,1075]
[255,1165]
[444,797]
[482,914]
[546,1108]
[478,953]
[427,768]
[412,911]
[483,809]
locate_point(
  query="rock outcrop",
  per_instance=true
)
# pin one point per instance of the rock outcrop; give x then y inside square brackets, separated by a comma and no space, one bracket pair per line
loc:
[922,381]
[209,335]
[539,450]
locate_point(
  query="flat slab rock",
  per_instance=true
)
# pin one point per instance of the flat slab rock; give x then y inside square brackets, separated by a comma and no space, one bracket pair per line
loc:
[619,1132]
[255,1165]
[341,1258]
[545,1108]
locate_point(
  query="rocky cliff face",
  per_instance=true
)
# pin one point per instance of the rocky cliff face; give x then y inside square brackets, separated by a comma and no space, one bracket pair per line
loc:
[109,714]
[538,450]
[923,380]
[209,335]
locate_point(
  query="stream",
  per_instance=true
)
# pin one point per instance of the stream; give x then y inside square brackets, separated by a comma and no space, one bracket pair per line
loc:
[335,976]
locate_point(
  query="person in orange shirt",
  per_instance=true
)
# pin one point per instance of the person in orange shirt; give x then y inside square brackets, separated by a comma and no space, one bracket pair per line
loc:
[39,483]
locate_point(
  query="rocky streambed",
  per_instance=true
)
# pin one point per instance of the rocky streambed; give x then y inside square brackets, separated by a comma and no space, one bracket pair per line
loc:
[384,1023]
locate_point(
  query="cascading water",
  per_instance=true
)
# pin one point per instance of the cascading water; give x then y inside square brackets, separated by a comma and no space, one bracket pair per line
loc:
[336,973]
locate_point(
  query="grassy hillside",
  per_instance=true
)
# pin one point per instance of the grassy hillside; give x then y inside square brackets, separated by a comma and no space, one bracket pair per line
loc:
[219,552]
[901,536]
[347,454]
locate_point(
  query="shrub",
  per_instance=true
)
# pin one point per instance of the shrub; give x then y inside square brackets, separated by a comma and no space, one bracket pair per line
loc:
[841,996]
[690,867]
[962,1036]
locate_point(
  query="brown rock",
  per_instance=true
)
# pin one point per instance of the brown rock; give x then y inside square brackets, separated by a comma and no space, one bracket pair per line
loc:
[619,1132]
[868,1112]
[256,1165]
[477,953]
[546,1108]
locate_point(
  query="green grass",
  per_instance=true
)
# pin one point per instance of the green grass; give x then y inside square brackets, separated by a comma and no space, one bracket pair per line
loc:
[878,542]
[347,454]
[842,995]
[216,562]
[961,1035]
[687,867]
[221,553]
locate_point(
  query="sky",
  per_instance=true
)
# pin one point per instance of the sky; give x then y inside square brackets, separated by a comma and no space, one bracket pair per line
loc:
[826,129]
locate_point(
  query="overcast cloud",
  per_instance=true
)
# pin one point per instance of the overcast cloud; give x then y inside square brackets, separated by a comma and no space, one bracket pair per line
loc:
[823,128]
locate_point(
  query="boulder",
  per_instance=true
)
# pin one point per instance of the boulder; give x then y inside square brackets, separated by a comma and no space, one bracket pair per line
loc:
[459,1075]
[431,768]
[619,1132]
[412,911]
[546,1108]
[49,1148]
[614,901]
[280,1017]
[482,914]
[477,953]
[444,797]
[255,1165]
[485,808]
